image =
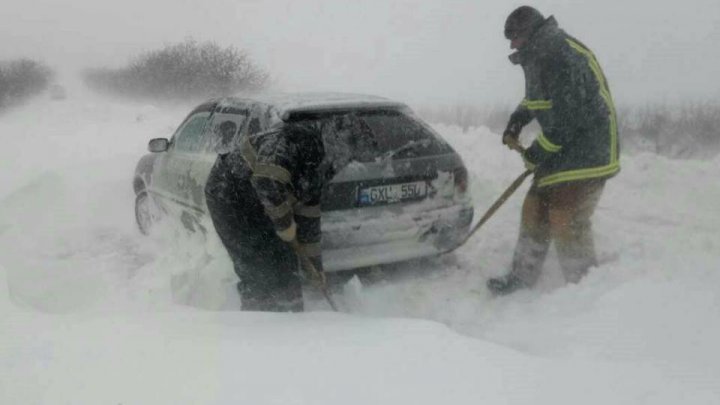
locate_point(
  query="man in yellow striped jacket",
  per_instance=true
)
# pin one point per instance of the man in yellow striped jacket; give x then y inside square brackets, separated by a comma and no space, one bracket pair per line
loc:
[577,150]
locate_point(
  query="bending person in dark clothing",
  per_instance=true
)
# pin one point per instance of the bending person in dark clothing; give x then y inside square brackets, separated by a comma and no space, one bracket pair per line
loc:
[264,196]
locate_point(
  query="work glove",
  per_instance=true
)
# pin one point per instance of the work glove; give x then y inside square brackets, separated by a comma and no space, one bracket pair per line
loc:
[511,136]
[528,164]
[288,234]
[313,269]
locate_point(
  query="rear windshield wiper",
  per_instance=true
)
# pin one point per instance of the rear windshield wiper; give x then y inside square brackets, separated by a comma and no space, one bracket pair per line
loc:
[412,145]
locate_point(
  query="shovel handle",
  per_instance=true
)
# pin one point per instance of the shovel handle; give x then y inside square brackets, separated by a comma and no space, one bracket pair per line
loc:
[314,273]
[513,144]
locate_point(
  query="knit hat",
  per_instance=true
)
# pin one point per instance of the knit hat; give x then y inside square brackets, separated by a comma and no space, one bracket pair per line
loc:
[522,22]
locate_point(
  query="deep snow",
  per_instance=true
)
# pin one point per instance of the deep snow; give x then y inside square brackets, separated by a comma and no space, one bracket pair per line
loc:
[96,313]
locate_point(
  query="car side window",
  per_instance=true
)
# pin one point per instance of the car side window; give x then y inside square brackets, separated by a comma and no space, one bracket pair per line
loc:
[261,119]
[189,136]
[221,134]
[254,126]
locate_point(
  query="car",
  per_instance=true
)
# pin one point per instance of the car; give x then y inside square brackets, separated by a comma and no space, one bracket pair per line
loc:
[57,92]
[404,194]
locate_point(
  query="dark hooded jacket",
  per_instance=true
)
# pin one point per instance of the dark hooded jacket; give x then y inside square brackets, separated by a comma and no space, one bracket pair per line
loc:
[283,170]
[566,91]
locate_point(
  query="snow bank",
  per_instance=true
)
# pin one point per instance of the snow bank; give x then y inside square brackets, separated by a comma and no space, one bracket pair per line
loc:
[100,314]
[189,357]
[5,304]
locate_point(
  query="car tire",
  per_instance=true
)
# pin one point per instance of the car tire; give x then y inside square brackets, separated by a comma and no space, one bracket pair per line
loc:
[147,213]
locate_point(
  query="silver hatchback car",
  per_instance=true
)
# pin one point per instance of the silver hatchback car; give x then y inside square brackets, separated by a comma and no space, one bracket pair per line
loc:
[404,194]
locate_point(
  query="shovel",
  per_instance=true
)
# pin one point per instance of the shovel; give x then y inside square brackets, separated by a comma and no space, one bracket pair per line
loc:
[318,278]
[515,145]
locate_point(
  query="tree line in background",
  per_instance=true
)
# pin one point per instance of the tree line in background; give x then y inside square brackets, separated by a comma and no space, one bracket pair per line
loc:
[689,130]
[189,69]
[21,79]
[194,70]
[683,130]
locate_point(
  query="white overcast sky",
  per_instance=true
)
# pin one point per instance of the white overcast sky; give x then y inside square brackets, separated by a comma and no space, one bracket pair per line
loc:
[418,51]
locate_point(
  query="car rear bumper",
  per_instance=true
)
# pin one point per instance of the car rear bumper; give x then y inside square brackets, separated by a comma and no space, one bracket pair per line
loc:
[362,242]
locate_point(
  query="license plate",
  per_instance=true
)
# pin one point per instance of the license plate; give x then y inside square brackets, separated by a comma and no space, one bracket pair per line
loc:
[392,193]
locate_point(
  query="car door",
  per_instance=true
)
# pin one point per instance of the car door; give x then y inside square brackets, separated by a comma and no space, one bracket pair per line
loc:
[173,177]
[219,136]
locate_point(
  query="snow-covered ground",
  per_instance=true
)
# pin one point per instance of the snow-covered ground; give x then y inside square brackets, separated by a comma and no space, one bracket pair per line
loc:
[91,312]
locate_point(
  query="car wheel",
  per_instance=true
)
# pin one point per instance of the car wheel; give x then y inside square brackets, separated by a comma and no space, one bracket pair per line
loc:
[147,213]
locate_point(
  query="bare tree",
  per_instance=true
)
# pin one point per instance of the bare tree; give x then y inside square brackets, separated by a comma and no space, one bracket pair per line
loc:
[21,79]
[185,69]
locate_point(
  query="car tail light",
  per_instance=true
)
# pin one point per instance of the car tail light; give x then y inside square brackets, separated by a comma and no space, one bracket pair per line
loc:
[461,180]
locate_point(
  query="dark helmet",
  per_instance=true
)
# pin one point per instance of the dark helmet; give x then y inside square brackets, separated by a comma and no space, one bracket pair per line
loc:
[522,22]
[225,133]
[227,129]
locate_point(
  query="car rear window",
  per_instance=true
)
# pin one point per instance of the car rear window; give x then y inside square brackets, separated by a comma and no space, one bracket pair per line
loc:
[380,133]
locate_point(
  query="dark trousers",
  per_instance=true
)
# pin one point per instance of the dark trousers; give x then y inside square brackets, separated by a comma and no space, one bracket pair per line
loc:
[559,213]
[267,266]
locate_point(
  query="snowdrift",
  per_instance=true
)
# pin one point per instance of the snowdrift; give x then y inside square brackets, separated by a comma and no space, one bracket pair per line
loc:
[93,312]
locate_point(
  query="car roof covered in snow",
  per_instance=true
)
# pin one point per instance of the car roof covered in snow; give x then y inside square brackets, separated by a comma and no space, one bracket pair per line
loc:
[286,103]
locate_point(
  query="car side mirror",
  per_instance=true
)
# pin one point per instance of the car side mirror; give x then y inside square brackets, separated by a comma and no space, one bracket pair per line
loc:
[158,145]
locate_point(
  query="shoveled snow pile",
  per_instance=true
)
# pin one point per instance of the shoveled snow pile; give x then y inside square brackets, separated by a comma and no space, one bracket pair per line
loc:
[92,312]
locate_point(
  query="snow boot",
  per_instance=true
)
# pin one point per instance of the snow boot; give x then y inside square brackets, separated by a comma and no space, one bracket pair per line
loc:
[505,285]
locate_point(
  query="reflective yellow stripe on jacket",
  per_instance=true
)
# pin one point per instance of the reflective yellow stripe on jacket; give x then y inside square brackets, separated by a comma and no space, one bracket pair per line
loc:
[614,165]
[547,145]
[259,169]
[537,104]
